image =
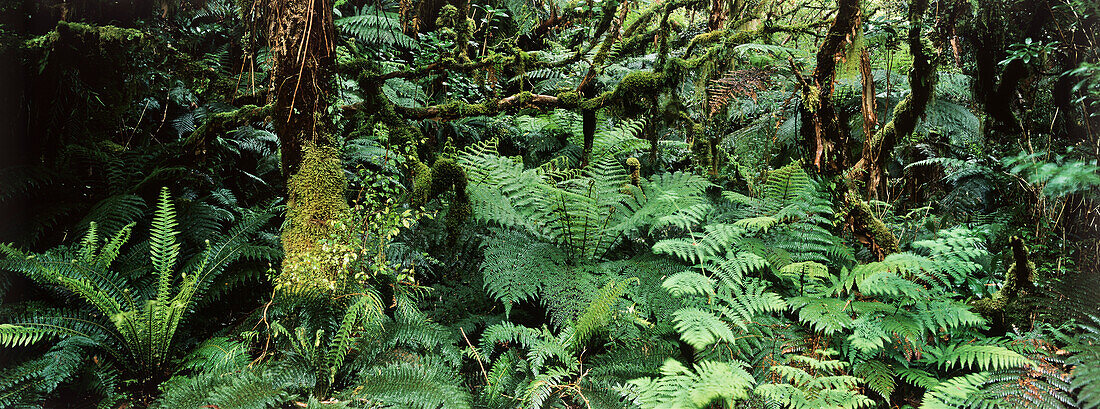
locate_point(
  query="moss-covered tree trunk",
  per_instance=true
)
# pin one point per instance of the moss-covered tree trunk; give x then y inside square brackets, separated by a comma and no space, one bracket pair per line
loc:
[301,37]
[865,226]
[922,80]
[822,134]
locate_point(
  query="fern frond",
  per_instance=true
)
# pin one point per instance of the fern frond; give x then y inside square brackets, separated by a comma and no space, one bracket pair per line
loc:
[598,313]
[375,28]
[700,328]
[681,387]
[983,357]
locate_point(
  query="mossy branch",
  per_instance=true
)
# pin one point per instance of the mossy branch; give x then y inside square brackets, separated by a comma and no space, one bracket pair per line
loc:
[869,229]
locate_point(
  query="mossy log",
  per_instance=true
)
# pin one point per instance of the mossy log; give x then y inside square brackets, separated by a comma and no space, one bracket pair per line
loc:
[220,122]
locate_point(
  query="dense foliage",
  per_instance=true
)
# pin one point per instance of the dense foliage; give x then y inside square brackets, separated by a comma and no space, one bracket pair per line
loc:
[550,204]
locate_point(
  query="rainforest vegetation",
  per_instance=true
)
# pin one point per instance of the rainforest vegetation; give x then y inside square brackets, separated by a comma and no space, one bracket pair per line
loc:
[575,204]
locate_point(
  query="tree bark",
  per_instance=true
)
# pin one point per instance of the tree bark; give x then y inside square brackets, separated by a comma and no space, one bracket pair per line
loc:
[876,148]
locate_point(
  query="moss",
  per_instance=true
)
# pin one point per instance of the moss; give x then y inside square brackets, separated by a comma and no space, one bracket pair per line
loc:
[597,102]
[448,15]
[569,99]
[315,200]
[431,182]
[1011,305]
[870,229]
[707,38]
[422,184]
[448,175]
[103,33]
[640,81]
[811,98]
[635,170]
[637,89]
[524,98]
[700,149]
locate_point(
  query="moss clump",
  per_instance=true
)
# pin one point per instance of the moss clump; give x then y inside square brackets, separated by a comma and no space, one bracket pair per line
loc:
[635,170]
[811,98]
[431,182]
[707,38]
[315,200]
[448,175]
[636,91]
[869,229]
[524,98]
[422,184]
[700,149]
[448,16]
[640,83]
[569,99]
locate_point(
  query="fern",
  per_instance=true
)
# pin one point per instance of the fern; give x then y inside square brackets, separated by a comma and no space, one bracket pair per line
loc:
[954,392]
[412,386]
[878,376]
[376,28]
[515,266]
[682,387]
[126,326]
[810,382]
[983,357]
[598,313]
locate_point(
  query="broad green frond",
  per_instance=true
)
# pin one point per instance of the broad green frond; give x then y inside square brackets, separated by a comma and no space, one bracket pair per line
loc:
[681,387]
[700,328]
[598,313]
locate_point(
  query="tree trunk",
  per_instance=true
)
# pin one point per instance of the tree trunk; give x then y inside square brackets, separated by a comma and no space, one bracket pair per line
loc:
[877,147]
[821,130]
[867,228]
[301,34]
